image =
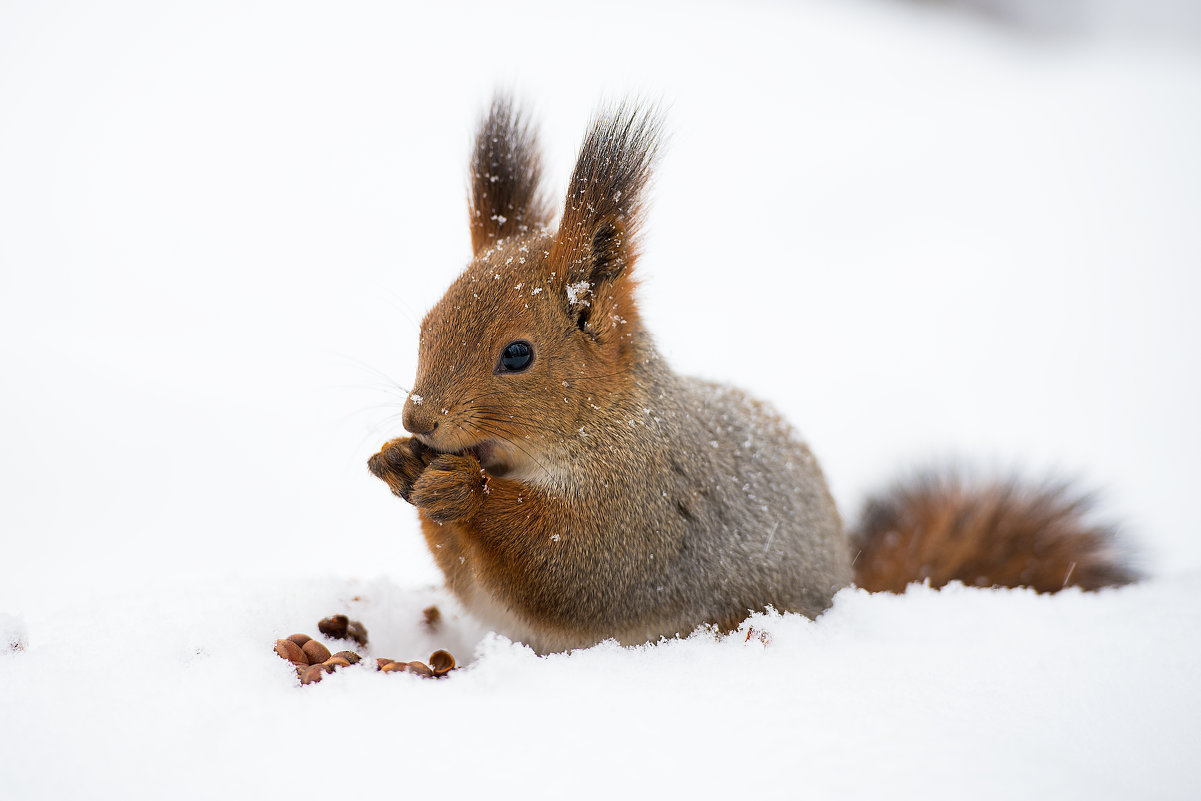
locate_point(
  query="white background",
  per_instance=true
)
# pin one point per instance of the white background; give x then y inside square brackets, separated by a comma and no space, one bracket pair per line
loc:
[922,235]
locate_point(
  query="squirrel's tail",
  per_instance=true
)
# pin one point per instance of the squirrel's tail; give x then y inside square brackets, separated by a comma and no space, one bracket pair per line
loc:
[941,527]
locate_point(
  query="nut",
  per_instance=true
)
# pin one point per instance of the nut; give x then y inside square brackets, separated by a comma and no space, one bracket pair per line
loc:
[381,663]
[316,652]
[300,639]
[337,661]
[290,651]
[340,627]
[441,662]
[334,626]
[358,633]
[420,668]
[432,617]
[349,656]
[313,674]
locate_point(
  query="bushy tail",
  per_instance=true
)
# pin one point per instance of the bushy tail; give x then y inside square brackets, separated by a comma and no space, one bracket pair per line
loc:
[942,527]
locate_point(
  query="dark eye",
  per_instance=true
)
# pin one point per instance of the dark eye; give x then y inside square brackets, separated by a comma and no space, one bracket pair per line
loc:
[516,357]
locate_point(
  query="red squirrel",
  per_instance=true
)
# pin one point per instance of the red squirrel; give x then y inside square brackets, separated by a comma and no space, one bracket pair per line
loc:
[573,488]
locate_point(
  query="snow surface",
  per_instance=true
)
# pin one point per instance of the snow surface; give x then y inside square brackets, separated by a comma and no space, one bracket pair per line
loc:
[920,236]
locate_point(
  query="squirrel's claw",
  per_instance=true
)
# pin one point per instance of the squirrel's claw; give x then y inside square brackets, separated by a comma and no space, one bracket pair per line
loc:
[399,463]
[451,488]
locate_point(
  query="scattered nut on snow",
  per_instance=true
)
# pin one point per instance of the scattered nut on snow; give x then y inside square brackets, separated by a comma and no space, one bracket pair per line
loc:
[441,662]
[340,627]
[316,652]
[420,668]
[289,650]
[313,660]
[314,673]
[432,617]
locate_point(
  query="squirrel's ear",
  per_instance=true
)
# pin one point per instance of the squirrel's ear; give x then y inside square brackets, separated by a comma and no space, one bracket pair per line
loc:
[596,244]
[506,177]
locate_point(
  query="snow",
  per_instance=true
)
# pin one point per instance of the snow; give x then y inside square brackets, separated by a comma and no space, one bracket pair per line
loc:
[576,291]
[155,693]
[919,235]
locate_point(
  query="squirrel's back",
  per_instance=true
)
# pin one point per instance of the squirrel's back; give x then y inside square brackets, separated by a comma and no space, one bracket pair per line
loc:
[753,520]
[760,486]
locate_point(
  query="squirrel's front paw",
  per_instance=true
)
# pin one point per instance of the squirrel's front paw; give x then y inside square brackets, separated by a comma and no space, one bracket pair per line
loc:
[399,463]
[451,488]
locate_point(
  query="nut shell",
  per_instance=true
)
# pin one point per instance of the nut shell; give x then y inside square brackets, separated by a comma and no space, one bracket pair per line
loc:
[292,652]
[300,639]
[349,656]
[316,652]
[357,632]
[420,668]
[334,626]
[441,662]
[313,674]
[337,661]
[340,627]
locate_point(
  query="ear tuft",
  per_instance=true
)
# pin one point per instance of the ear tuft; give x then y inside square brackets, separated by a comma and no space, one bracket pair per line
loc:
[506,177]
[597,234]
[608,248]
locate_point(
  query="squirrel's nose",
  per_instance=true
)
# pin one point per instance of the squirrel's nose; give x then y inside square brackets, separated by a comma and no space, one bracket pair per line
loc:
[416,419]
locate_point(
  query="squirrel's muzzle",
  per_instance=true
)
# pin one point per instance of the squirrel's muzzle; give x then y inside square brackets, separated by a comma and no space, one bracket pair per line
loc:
[418,418]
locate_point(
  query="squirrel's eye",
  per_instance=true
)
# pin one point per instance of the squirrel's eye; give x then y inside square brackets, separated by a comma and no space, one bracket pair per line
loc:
[516,357]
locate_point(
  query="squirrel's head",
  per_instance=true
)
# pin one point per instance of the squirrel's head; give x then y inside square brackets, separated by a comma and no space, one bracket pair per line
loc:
[537,338]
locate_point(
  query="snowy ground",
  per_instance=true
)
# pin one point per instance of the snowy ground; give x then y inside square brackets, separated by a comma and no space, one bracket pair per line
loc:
[920,236]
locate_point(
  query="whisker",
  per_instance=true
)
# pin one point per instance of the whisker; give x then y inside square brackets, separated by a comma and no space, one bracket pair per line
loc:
[374,406]
[515,444]
[502,426]
[374,431]
[516,428]
[511,420]
[397,301]
[380,374]
[371,409]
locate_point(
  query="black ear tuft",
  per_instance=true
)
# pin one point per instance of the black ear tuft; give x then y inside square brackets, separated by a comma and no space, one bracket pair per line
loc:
[608,249]
[506,177]
[604,208]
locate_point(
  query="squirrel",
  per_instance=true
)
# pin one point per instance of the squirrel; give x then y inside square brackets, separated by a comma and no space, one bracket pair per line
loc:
[572,488]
